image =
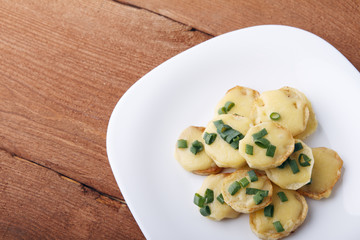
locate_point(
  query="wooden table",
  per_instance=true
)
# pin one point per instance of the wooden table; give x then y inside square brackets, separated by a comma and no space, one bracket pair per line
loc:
[64,65]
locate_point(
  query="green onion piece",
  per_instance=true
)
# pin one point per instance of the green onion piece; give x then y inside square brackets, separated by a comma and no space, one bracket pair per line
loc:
[262,142]
[253,191]
[309,182]
[244,182]
[222,110]
[230,134]
[293,165]
[283,164]
[275,116]
[205,211]
[260,134]
[220,198]
[249,149]
[234,188]
[196,147]
[235,144]
[229,105]
[258,197]
[182,143]
[199,200]
[209,196]
[218,124]
[306,161]
[209,138]
[269,211]
[270,151]
[282,196]
[298,146]
[278,226]
[252,175]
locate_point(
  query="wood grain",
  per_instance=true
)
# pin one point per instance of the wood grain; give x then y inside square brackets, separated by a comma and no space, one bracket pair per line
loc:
[64,65]
[335,21]
[36,203]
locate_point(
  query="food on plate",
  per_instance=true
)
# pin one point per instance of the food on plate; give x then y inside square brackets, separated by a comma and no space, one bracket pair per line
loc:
[228,130]
[247,191]
[312,123]
[326,172]
[210,200]
[296,171]
[284,215]
[285,106]
[266,145]
[189,151]
[237,100]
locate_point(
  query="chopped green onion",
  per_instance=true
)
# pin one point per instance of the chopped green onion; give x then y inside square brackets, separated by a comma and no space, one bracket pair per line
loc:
[282,196]
[218,123]
[270,151]
[196,147]
[275,116]
[182,143]
[222,110]
[278,226]
[306,161]
[260,134]
[258,197]
[293,165]
[223,128]
[283,164]
[209,137]
[298,146]
[209,196]
[235,144]
[252,175]
[244,182]
[199,200]
[230,134]
[234,188]
[249,149]
[252,191]
[269,211]
[205,211]
[309,182]
[262,142]
[229,105]
[220,198]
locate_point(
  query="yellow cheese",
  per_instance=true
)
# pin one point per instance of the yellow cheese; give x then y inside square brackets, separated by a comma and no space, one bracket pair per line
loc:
[243,99]
[218,211]
[223,154]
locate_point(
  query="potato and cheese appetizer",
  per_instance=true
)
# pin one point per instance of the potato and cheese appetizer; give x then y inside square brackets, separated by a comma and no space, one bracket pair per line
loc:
[296,171]
[326,172]
[211,201]
[237,100]
[284,215]
[266,145]
[222,136]
[247,191]
[189,151]
[286,106]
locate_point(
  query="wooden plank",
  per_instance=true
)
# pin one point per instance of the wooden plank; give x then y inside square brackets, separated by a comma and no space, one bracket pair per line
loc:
[64,65]
[335,21]
[36,203]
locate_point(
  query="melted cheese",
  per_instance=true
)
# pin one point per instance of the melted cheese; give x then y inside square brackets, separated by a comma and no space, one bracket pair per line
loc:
[311,125]
[326,171]
[243,99]
[218,211]
[285,178]
[223,154]
[291,106]
[278,136]
[187,159]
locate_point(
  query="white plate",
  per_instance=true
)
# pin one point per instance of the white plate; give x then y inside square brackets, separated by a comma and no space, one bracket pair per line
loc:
[184,90]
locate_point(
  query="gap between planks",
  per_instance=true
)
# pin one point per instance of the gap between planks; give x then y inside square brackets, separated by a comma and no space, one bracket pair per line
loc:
[104,198]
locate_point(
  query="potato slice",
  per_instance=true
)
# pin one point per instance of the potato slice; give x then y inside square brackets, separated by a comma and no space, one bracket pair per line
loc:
[326,172]
[218,210]
[199,163]
[240,201]
[223,154]
[242,97]
[285,178]
[311,125]
[278,136]
[289,103]
[291,215]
